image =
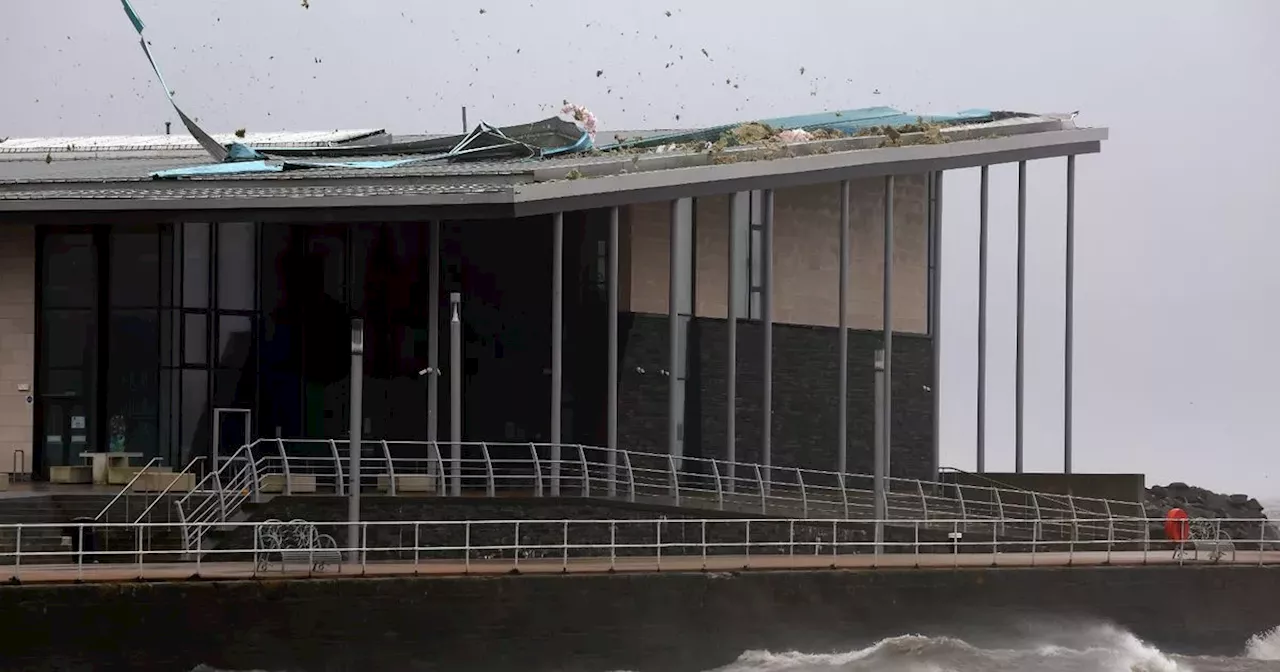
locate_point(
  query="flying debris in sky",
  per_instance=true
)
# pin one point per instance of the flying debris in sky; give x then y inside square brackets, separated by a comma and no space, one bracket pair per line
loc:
[306,4]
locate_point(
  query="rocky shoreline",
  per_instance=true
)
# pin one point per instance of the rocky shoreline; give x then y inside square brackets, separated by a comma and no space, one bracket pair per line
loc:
[1249,521]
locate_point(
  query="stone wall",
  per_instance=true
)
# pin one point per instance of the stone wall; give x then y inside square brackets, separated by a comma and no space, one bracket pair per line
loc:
[606,622]
[805,403]
[17,344]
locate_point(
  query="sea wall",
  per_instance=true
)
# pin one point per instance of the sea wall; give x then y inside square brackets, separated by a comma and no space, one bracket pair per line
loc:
[668,622]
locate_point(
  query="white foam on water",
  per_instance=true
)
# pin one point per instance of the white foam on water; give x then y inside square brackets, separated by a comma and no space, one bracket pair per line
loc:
[1264,645]
[1097,649]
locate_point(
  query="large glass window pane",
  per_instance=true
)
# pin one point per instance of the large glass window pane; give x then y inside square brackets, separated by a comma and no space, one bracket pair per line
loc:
[69,270]
[195,338]
[195,413]
[195,265]
[236,254]
[69,338]
[327,249]
[135,268]
[235,340]
[133,381]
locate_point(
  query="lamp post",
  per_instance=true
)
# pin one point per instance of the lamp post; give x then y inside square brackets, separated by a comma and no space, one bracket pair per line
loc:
[353,443]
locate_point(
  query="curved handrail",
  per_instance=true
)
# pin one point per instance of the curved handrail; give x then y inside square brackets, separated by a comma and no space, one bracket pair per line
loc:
[176,478]
[128,486]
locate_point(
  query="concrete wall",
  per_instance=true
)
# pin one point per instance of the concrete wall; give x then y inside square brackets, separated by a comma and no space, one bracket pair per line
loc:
[17,343]
[606,622]
[806,255]
[805,400]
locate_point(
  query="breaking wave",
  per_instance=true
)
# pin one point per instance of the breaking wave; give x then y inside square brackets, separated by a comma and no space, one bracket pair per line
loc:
[1093,649]
[1264,645]
[1079,649]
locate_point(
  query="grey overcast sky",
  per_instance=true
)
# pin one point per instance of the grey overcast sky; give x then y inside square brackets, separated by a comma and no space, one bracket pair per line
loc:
[1177,272]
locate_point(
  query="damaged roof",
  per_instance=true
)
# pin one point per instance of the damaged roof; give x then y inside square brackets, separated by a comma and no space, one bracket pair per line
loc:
[558,163]
[628,168]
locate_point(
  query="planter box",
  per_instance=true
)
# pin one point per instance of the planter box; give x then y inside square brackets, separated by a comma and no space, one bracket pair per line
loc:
[302,484]
[157,481]
[122,475]
[72,474]
[406,483]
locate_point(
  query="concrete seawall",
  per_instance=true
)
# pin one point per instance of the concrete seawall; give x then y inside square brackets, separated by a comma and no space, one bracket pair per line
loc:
[669,622]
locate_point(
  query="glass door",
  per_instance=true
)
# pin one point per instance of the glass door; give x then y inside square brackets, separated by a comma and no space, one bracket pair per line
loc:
[66,432]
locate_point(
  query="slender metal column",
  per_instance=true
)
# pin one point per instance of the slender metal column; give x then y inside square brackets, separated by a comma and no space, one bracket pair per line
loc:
[842,372]
[936,320]
[1067,385]
[766,309]
[887,431]
[983,207]
[433,340]
[557,343]
[738,210]
[878,445]
[353,442]
[673,332]
[455,391]
[612,412]
[1022,314]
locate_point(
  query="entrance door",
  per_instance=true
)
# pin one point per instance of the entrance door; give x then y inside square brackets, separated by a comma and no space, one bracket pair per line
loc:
[66,432]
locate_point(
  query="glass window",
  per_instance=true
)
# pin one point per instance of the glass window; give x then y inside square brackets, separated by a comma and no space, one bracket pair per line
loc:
[236,254]
[195,338]
[195,265]
[69,271]
[135,268]
[235,340]
[195,412]
[71,383]
[69,338]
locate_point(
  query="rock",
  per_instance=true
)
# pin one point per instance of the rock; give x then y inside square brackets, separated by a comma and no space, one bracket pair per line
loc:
[1178,486]
[1238,499]
[1157,491]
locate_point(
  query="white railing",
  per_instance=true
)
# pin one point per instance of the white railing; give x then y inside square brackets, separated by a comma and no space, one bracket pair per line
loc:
[498,546]
[291,466]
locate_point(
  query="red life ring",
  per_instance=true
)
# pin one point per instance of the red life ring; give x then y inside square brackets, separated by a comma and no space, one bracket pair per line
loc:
[1177,526]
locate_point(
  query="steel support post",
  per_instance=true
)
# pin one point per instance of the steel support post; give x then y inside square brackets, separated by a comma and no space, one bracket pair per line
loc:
[557,344]
[878,448]
[936,322]
[842,365]
[766,309]
[612,403]
[455,391]
[1069,329]
[887,410]
[983,208]
[739,204]
[353,442]
[1022,316]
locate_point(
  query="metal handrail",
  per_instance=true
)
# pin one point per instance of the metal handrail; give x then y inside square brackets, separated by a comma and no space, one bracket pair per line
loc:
[565,545]
[701,482]
[164,492]
[150,463]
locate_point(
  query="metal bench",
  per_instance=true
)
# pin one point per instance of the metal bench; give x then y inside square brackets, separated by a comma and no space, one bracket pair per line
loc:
[1208,537]
[296,543]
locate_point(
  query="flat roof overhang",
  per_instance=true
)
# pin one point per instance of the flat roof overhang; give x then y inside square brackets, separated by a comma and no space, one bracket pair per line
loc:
[539,191]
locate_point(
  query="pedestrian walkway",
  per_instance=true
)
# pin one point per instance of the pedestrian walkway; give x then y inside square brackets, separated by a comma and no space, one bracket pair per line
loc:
[183,571]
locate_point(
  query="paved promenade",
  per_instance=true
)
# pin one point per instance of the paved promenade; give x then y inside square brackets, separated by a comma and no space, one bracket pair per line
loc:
[115,572]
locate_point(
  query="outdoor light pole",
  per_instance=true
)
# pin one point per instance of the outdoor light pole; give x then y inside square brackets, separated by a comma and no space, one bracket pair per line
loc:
[353,443]
[455,392]
[878,446]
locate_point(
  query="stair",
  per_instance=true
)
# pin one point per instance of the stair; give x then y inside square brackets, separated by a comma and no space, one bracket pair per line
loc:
[60,510]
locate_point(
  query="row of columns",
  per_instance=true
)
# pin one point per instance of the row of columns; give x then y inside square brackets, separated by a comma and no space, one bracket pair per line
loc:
[738,204]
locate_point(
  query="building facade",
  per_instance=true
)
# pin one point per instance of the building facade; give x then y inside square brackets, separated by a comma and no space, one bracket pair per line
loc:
[127,326]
